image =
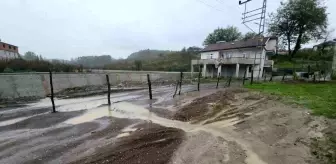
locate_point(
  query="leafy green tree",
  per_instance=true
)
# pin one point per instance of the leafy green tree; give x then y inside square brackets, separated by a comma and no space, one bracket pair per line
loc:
[299,21]
[228,34]
[249,35]
[30,56]
[138,65]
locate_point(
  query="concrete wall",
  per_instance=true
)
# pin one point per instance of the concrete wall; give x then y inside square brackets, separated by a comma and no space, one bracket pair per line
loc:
[16,85]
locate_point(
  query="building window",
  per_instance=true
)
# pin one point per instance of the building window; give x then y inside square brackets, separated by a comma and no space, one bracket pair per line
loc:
[4,45]
[14,48]
[10,47]
[211,56]
[244,55]
[250,69]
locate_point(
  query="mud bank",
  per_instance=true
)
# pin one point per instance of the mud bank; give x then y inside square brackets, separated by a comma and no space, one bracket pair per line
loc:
[231,126]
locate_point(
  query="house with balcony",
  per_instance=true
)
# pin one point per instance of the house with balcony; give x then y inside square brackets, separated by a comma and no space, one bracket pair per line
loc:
[235,58]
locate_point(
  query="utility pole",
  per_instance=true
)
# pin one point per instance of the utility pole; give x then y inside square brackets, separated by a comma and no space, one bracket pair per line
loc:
[252,16]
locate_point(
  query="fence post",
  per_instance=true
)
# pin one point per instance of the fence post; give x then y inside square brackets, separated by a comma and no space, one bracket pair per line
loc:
[264,75]
[230,81]
[218,80]
[199,79]
[149,87]
[252,76]
[108,89]
[283,77]
[314,78]
[52,92]
[244,77]
[177,84]
[181,78]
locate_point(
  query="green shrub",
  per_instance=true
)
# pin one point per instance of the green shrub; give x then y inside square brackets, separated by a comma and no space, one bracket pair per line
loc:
[8,70]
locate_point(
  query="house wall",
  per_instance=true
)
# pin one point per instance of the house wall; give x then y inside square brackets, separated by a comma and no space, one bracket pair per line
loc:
[249,53]
[207,55]
[271,45]
[8,54]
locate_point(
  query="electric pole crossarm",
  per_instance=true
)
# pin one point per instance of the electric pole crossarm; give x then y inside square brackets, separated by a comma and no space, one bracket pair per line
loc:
[252,15]
[252,11]
[240,2]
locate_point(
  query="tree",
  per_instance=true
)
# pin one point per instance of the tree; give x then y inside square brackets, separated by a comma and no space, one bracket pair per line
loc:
[249,35]
[30,56]
[228,34]
[138,65]
[298,21]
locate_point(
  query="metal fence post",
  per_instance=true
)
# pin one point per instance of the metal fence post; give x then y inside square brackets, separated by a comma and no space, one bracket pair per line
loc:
[108,89]
[176,87]
[244,77]
[252,76]
[230,81]
[52,92]
[181,78]
[149,87]
[199,79]
[218,80]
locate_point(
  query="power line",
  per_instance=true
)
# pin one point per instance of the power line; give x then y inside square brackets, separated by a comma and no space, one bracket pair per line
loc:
[211,6]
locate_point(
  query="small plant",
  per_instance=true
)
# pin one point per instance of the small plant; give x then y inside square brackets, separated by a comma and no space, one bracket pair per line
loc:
[8,70]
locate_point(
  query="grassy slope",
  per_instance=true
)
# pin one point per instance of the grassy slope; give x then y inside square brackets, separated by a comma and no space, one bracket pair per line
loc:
[320,98]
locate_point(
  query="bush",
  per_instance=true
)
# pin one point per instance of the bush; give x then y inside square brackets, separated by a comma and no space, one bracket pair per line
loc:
[8,70]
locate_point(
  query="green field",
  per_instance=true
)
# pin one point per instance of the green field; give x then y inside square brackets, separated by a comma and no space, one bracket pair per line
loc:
[320,98]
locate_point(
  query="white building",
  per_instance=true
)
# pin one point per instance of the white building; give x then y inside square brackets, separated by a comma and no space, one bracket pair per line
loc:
[8,51]
[234,58]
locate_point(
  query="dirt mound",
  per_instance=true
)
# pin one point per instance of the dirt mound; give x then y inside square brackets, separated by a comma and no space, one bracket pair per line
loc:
[152,144]
[204,107]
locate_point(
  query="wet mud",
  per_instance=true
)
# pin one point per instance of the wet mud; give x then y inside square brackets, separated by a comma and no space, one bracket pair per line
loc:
[231,126]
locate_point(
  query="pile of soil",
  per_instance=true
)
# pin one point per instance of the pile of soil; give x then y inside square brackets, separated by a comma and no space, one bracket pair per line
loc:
[204,107]
[152,144]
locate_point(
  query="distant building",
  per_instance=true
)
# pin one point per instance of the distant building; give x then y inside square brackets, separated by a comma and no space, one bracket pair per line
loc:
[236,58]
[8,51]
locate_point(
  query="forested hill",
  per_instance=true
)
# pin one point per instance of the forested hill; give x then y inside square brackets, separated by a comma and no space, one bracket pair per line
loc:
[167,61]
[148,54]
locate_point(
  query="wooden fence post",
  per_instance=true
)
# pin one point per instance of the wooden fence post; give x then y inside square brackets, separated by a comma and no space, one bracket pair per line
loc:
[108,89]
[181,78]
[149,87]
[52,92]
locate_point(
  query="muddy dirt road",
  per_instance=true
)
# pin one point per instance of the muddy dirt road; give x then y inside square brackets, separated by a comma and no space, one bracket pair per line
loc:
[214,126]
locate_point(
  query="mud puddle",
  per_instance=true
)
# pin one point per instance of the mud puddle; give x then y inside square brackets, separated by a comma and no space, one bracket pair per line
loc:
[130,111]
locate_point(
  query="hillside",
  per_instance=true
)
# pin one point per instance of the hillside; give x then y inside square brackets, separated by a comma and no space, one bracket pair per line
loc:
[93,61]
[158,61]
[148,54]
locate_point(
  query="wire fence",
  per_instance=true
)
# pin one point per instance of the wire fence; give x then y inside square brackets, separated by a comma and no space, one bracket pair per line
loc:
[73,85]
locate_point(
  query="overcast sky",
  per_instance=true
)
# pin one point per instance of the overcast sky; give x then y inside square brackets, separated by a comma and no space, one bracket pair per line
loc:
[71,28]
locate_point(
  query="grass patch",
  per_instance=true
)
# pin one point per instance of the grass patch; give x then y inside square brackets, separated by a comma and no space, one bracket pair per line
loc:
[320,98]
